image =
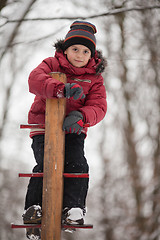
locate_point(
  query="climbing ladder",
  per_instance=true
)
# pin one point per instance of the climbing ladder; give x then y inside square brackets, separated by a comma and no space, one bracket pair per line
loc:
[53,169]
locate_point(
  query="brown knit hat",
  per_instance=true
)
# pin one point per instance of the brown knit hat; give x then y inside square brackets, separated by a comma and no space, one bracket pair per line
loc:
[81,33]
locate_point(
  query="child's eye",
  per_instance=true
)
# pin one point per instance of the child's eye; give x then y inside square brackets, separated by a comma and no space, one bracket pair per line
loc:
[75,49]
[86,52]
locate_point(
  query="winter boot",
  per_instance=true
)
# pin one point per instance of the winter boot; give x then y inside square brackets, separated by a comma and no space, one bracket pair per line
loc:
[33,215]
[72,216]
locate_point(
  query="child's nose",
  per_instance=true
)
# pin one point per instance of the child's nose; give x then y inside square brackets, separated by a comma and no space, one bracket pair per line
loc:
[79,54]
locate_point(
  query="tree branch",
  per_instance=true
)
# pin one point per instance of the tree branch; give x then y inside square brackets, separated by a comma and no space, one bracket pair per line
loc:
[2,4]
[110,13]
[13,32]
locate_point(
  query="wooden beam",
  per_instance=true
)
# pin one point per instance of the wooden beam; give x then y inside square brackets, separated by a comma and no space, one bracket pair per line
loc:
[53,166]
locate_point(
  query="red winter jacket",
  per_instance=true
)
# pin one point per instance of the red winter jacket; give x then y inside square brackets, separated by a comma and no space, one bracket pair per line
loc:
[93,107]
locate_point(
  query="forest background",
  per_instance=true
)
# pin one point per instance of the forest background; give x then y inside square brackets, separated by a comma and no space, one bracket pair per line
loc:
[123,151]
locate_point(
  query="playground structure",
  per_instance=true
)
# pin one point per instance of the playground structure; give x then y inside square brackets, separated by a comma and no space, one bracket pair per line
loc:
[53,169]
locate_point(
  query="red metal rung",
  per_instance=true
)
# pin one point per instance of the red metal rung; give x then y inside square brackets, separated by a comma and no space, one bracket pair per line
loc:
[32,126]
[64,226]
[84,226]
[30,174]
[25,225]
[66,175]
[76,175]
[23,126]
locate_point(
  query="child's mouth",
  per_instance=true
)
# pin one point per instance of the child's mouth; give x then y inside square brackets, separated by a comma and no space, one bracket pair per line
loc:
[78,61]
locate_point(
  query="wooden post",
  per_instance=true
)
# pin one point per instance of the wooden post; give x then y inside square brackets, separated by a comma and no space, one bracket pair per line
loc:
[53,166]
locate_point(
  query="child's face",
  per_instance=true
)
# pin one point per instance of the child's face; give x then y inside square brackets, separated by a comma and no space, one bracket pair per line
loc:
[78,55]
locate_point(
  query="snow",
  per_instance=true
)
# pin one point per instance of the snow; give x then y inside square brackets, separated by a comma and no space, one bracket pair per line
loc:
[75,214]
[60,94]
[33,237]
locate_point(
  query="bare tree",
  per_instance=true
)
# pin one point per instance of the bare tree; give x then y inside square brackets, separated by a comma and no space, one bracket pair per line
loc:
[135,75]
[3,4]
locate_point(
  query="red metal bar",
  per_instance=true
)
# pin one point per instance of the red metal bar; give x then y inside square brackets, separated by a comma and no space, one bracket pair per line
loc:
[32,126]
[30,175]
[85,226]
[66,175]
[23,126]
[25,225]
[76,175]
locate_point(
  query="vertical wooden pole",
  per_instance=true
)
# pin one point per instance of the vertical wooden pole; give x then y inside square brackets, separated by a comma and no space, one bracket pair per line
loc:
[53,166]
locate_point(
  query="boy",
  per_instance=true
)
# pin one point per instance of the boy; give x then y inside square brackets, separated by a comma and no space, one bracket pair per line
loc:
[76,56]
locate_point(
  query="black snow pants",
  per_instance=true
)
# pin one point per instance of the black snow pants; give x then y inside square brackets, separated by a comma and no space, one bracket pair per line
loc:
[75,189]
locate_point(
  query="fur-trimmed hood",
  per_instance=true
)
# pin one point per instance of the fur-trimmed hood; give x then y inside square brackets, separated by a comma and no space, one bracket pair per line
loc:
[100,61]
